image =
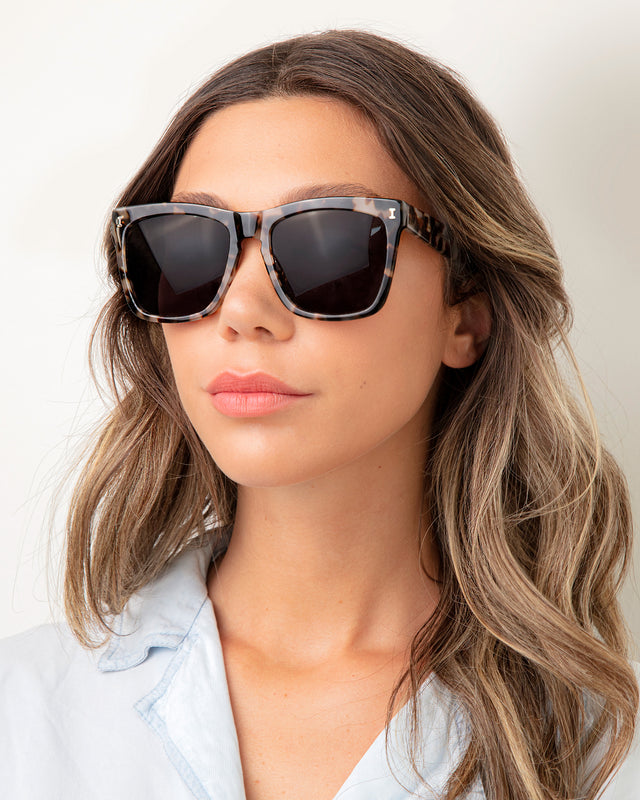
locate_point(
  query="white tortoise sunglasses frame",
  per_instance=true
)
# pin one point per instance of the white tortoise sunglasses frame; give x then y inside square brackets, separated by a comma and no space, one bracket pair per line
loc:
[176,260]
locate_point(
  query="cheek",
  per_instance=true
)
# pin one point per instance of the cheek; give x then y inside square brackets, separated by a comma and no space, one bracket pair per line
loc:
[405,345]
[185,356]
[385,368]
[395,376]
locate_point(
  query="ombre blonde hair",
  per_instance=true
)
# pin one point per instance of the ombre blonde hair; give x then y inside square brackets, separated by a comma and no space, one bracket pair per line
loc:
[530,513]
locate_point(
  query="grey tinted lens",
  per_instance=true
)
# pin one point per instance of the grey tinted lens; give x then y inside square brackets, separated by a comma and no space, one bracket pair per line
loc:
[333,259]
[175,262]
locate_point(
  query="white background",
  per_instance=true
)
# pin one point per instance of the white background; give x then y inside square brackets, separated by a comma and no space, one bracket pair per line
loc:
[87,88]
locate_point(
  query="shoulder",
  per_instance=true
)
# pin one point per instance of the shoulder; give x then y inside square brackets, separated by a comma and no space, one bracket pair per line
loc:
[41,671]
[65,721]
[35,674]
[37,657]
[45,674]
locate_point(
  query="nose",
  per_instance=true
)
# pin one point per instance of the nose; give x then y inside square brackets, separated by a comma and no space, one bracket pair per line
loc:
[250,307]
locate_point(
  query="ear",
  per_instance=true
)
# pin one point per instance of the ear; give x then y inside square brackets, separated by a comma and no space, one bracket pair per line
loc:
[469,331]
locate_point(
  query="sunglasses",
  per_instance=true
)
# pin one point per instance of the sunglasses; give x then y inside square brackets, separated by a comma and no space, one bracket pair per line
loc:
[328,258]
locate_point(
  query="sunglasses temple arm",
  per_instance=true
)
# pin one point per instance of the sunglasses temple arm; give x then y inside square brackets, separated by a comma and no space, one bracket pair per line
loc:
[429,229]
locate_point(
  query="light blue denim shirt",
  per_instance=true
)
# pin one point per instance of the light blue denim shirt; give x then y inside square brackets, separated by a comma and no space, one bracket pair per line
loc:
[149,715]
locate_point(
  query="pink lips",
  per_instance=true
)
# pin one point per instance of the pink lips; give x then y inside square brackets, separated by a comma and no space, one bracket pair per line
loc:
[251,394]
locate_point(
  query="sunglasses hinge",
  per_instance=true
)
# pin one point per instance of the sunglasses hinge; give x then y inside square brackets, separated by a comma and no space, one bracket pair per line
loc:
[118,228]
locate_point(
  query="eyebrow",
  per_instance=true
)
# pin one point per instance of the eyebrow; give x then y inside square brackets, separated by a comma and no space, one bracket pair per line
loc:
[299,193]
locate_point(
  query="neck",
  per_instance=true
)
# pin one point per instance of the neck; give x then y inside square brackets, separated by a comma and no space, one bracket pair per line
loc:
[330,566]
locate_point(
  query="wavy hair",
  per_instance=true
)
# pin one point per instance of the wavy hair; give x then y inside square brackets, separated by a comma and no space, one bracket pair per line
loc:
[530,513]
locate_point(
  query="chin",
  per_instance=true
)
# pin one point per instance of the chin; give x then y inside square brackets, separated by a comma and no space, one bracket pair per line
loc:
[276,468]
[255,476]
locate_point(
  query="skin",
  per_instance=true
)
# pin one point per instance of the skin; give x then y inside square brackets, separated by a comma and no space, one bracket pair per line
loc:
[321,590]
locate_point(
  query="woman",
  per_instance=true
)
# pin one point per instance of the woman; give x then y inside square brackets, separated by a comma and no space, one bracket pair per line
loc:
[345,533]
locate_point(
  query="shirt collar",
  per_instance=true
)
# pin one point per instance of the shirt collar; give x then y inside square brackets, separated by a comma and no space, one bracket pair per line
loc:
[162,613]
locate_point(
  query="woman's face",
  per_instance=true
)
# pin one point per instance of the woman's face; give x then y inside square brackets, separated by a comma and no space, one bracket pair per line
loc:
[365,387]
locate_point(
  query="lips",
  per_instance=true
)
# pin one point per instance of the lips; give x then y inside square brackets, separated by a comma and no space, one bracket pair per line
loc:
[251,394]
[250,383]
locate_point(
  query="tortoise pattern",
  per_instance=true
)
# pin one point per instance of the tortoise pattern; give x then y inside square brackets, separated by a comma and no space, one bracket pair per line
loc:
[394,214]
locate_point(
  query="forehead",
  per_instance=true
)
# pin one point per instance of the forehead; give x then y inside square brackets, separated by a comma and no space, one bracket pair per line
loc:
[254,154]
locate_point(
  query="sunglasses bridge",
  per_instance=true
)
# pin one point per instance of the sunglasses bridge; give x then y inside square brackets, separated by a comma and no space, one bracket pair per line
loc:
[248,224]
